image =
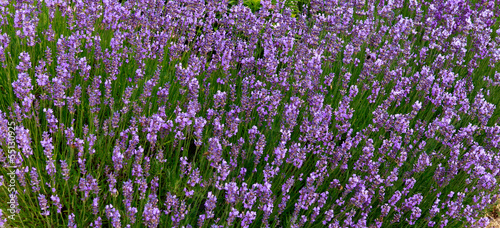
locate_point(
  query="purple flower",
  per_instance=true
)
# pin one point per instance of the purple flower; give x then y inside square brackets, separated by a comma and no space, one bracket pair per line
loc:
[65,170]
[57,90]
[2,220]
[114,215]
[215,150]
[117,158]
[210,205]
[248,218]
[112,183]
[5,41]
[231,192]
[483,109]
[51,167]
[385,210]
[95,94]
[219,99]
[35,183]
[51,119]
[75,99]
[128,190]
[131,212]
[487,181]
[250,198]
[25,63]
[409,183]
[56,202]
[22,89]
[47,144]
[43,205]
[422,163]
[97,223]
[171,203]
[151,215]
[71,221]
[24,140]
[395,198]
[143,187]
[95,205]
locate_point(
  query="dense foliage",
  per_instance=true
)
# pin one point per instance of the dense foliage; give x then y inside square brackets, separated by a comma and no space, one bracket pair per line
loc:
[205,113]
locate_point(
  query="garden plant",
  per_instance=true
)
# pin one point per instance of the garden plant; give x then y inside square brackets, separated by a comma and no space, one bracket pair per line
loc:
[218,113]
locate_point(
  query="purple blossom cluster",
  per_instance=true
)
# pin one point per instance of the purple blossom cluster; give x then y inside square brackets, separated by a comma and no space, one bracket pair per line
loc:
[211,113]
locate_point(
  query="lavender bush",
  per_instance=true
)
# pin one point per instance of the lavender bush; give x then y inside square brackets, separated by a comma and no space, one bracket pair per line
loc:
[193,113]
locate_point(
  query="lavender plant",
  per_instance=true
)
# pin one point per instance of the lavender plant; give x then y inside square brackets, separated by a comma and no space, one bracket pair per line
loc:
[194,113]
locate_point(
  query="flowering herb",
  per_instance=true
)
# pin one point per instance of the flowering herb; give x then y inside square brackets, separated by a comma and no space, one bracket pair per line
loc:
[187,113]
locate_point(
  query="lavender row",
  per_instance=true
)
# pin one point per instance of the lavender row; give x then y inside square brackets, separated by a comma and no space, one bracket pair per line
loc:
[191,113]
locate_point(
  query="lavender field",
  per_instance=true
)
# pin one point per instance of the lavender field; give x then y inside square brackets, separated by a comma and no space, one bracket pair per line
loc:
[271,113]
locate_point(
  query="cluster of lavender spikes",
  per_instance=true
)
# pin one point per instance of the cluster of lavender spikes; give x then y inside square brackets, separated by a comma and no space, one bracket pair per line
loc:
[187,113]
